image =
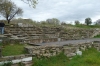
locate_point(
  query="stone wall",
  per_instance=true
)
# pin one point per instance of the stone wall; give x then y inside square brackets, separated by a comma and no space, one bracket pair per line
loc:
[48,34]
[69,49]
[14,57]
[52,50]
[72,34]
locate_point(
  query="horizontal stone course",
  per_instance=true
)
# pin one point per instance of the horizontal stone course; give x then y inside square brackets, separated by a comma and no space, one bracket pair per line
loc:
[68,49]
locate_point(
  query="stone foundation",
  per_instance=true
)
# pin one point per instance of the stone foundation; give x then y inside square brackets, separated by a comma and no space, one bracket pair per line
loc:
[53,50]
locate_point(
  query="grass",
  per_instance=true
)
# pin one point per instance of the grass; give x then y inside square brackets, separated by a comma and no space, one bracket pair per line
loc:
[60,60]
[90,57]
[89,26]
[16,49]
[97,36]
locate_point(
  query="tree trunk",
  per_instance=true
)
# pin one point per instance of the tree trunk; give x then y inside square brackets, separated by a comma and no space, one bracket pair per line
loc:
[8,21]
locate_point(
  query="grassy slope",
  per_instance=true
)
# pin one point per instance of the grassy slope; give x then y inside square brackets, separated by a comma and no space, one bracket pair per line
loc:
[13,50]
[85,26]
[90,57]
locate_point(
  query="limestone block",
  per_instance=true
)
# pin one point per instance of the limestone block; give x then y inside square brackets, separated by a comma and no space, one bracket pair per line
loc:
[46,55]
[9,58]
[73,49]
[57,49]
[22,56]
[67,50]
[89,46]
[78,52]
[42,52]
[36,52]
[58,52]
[30,51]
[16,57]
[98,49]
[53,48]
[54,54]
[85,47]
[47,51]
[82,48]
[95,45]
[20,24]
[42,49]
[71,54]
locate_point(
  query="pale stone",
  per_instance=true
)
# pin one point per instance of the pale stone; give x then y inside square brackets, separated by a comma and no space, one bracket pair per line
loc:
[89,46]
[20,24]
[78,52]
[54,53]
[82,48]
[71,54]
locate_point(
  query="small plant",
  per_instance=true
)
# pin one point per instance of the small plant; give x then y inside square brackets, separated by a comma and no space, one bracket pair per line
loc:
[7,64]
[97,36]
[21,64]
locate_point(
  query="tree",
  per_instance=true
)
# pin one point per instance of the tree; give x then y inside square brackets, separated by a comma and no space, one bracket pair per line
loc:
[77,22]
[31,2]
[56,21]
[53,21]
[63,23]
[88,21]
[9,10]
[97,22]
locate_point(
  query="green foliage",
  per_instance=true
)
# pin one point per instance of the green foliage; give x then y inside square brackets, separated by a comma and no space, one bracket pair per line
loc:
[1,44]
[88,21]
[8,10]
[7,64]
[89,26]
[77,22]
[53,21]
[13,50]
[59,60]
[21,64]
[97,36]
[32,3]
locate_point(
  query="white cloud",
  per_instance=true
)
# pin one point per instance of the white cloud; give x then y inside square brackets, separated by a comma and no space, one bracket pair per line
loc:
[64,10]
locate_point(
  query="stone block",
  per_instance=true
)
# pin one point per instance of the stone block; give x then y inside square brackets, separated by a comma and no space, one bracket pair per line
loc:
[67,50]
[82,48]
[71,55]
[54,54]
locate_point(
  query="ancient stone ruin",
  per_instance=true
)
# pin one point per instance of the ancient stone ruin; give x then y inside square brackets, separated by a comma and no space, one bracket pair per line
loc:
[32,35]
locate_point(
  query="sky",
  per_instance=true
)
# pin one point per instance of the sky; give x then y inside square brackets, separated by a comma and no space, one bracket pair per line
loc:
[64,10]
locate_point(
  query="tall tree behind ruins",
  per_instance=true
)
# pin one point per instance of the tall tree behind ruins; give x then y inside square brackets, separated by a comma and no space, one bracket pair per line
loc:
[9,10]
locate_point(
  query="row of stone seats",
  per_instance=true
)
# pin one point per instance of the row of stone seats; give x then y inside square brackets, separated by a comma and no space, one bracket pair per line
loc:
[77,33]
[47,32]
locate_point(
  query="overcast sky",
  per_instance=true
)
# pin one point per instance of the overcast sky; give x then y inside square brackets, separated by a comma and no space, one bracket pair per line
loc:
[64,10]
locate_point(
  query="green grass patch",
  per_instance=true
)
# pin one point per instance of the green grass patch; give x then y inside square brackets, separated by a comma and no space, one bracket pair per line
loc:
[60,60]
[90,57]
[16,49]
[97,36]
[89,26]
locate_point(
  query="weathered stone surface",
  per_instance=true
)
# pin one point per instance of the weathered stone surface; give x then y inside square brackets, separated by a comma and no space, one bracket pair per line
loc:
[78,52]
[71,54]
